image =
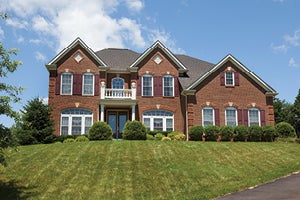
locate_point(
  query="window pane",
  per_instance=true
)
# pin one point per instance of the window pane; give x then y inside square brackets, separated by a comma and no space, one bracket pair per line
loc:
[229,78]
[168,86]
[230,116]
[64,125]
[76,125]
[118,83]
[169,124]
[147,123]
[253,117]
[88,84]
[66,83]
[147,85]
[88,124]
[208,117]
[158,124]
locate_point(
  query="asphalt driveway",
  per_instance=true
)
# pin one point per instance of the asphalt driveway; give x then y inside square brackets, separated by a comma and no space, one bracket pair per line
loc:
[286,188]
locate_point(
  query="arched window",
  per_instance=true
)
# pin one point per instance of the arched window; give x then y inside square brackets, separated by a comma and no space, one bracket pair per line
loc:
[88,84]
[160,120]
[75,121]
[231,116]
[118,83]
[208,116]
[66,83]
[147,85]
[168,85]
[254,117]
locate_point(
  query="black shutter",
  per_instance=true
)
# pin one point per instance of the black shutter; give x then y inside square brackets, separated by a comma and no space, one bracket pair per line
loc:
[222,78]
[240,117]
[176,87]
[236,79]
[77,84]
[96,85]
[139,86]
[57,84]
[217,117]
[262,118]
[245,117]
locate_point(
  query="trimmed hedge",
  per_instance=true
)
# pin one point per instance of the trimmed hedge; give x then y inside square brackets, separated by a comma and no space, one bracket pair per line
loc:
[227,132]
[242,133]
[134,130]
[285,130]
[212,132]
[100,131]
[196,132]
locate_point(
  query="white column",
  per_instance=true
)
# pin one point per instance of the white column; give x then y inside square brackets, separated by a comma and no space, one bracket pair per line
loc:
[102,113]
[133,113]
[133,90]
[102,91]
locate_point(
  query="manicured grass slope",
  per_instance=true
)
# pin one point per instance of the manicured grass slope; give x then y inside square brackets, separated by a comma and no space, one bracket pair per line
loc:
[143,169]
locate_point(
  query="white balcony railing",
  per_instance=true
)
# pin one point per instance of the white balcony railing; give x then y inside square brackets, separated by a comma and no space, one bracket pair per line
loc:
[108,93]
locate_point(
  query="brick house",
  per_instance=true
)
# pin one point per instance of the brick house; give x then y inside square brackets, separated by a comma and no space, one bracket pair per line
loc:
[163,90]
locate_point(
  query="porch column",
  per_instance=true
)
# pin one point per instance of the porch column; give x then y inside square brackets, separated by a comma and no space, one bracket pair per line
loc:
[133,113]
[133,89]
[102,91]
[102,113]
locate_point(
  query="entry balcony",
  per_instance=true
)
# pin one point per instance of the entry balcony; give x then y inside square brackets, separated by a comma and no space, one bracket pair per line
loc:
[118,94]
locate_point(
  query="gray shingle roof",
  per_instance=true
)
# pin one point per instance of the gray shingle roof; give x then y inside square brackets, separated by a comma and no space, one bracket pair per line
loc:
[121,59]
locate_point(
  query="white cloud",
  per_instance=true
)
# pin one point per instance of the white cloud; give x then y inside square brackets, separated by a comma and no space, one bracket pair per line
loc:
[1,34]
[39,56]
[17,23]
[279,49]
[20,39]
[292,62]
[294,39]
[93,21]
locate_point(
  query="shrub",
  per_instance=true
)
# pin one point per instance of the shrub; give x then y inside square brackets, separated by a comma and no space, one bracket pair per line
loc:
[154,132]
[134,130]
[284,130]
[227,132]
[50,139]
[173,134]
[255,133]
[165,138]
[211,132]
[241,133]
[158,136]
[69,140]
[268,133]
[150,137]
[100,131]
[180,137]
[24,137]
[82,138]
[196,132]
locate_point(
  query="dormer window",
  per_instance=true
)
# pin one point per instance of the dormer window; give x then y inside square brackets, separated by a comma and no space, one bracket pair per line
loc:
[229,78]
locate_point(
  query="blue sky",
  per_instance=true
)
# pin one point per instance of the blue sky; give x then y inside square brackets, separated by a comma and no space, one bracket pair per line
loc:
[262,34]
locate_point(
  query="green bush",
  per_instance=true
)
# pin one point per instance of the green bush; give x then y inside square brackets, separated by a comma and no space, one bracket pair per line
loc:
[154,132]
[158,136]
[268,133]
[24,137]
[134,130]
[100,131]
[50,139]
[255,133]
[196,132]
[227,132]
[211,132]
[173,134]
[285,130]
[69,140]
[82,138]
[180,137]
[166,138]
[150,137]
[241,132]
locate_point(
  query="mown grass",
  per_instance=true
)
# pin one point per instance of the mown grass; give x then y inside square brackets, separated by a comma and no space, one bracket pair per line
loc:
[143,169]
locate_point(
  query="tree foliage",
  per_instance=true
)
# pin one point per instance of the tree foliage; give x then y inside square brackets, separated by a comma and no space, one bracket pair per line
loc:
[283,111]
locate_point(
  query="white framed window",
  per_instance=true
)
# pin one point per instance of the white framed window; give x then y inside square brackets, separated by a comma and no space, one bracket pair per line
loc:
[168,86]
[231,116]
[118,83]
[147,85]
[66,83]
[160,120]
[88,84]
[208,116]
[254,117]
[75,121]
[229,78]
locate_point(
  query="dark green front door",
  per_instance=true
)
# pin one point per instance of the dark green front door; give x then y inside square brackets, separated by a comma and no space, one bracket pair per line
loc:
[117,120]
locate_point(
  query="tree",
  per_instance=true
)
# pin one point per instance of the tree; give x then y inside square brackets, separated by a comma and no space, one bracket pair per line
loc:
[9,94]
[283,111]
[35,121]
[296,113]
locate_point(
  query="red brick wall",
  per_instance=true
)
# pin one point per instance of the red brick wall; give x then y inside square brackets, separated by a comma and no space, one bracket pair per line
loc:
[61,102]
[172,104]
[246,95]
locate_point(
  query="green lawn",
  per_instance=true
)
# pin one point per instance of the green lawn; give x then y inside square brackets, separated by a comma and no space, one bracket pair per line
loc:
[143,169]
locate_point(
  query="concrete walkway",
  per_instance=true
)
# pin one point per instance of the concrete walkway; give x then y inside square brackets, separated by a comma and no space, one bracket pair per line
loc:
[286,188]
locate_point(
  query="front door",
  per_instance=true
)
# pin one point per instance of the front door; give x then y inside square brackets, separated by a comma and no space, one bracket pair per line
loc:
[117,120]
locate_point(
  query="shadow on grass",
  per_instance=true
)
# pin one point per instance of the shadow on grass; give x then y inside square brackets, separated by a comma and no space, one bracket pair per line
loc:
[12,190]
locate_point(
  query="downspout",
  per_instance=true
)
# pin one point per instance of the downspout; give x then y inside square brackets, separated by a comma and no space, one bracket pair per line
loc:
[186,119]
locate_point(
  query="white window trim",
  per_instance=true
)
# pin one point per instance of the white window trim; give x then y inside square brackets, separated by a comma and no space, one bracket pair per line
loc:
[172,85]
[70,116]
[236,120]
[259,121]
[164,118]
[88,73]
[147,75]
[61,78]
[233,83]
[213,113]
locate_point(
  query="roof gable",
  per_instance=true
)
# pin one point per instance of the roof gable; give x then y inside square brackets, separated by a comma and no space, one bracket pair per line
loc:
[159,45]
[240,66]
[66,50]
